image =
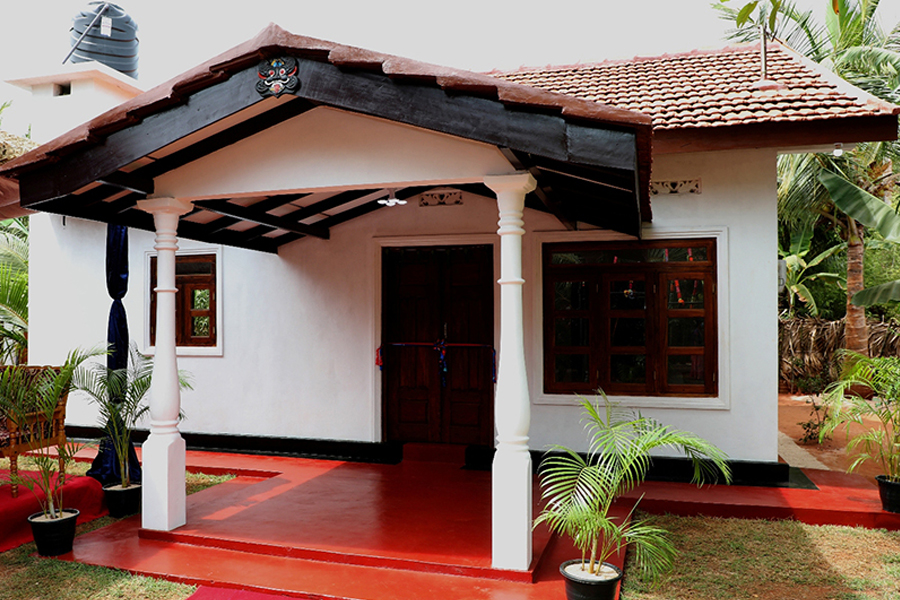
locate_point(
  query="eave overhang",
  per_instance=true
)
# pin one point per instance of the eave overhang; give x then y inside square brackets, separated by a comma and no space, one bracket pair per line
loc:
[592,162]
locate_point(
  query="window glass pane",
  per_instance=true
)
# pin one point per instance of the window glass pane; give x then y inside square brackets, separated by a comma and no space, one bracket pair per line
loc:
[200,299]
[686,331]
[686,370]
[631,368]
[200,327]
[194,267]
[685,293]
[627,332]
[572,368]
[573,332]
[594,257]
[676,254]
[627,295]
[629,256]
[571,295]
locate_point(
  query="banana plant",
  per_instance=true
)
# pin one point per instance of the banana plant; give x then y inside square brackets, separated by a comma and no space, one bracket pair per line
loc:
[875,214]
[798,269]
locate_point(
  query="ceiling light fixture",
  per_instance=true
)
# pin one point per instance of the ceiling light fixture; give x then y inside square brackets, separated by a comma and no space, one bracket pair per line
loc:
[391,200]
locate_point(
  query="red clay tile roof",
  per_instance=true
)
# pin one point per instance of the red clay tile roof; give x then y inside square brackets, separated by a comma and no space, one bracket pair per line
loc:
[711,88]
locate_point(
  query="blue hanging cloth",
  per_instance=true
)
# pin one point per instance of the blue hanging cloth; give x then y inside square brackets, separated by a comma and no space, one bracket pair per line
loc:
[105,467]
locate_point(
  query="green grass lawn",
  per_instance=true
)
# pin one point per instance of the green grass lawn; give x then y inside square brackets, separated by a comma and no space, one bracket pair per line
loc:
[27,577]
[731,559]
[719,559]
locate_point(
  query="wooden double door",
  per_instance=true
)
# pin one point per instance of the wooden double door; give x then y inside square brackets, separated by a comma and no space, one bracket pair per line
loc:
[437,344]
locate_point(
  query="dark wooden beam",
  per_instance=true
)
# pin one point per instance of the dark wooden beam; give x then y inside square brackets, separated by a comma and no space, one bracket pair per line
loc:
[265,205]
[603,207]
[123,147]
[482,119]
[364,209]
[227,209]
[124,203]
[327,204]
[305,212]
[522,162]
[775,135]
[344,216]
[357,211]
[273,202]
[220,224]
[132,182]
[225,138]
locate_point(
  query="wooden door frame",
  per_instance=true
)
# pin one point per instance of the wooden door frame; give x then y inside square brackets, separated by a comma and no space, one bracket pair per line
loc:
[379,421]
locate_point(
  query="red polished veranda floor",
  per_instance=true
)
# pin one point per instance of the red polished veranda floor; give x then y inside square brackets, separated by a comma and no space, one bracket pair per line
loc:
[326,529]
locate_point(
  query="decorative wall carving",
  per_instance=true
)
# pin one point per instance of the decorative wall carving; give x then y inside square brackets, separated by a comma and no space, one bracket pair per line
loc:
[441,198]
[675,186]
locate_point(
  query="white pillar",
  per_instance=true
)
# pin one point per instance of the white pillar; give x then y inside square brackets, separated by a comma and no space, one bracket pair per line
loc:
[511,481]
[163,496]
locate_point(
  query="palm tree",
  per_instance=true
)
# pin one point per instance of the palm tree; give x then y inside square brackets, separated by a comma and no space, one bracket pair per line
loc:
[852,44]
[14,290]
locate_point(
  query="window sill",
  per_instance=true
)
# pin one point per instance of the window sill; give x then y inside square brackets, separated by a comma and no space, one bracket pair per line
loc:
[678,402]
[190,351]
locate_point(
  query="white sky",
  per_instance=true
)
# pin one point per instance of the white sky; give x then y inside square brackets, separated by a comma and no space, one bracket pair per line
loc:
[479,35]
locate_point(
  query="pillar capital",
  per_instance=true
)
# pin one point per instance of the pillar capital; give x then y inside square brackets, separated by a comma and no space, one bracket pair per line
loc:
[521,182]
[172,206]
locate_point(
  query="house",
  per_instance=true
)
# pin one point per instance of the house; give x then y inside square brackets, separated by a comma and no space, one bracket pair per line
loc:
[320,225]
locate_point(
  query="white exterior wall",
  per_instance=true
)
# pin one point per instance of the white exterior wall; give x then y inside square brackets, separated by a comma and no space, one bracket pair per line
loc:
[300,329]
[737,206]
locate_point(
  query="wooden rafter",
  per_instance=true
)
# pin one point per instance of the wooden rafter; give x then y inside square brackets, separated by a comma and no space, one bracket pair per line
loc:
[227,209]
[542,191]
[133,182]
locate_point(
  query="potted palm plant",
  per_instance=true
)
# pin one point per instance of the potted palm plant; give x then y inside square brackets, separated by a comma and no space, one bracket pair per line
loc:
[30,398]
[579,492]
[868,392]
[119,395]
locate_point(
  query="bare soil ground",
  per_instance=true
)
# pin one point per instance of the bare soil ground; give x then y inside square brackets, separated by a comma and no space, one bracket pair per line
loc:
[793,410]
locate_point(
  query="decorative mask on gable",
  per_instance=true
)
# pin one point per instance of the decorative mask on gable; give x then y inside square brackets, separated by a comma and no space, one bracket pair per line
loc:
[277,76]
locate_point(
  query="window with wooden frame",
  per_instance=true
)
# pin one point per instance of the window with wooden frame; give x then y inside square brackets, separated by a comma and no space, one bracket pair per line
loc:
[195,301]
[631,318]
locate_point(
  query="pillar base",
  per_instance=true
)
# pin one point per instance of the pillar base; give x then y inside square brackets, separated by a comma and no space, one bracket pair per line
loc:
[164,499]
[511,516]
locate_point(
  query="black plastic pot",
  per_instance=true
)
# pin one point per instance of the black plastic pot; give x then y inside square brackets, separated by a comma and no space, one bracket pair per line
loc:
[122,502]
[54,536]
[890,493]
[581,589]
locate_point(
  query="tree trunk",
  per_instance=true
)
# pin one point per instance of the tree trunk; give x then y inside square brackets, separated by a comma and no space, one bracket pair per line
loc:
[856,331]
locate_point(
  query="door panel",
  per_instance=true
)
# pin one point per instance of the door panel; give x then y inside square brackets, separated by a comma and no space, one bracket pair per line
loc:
[432,294]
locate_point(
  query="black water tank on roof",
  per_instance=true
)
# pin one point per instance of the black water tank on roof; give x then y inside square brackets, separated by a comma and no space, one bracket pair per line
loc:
[111,38]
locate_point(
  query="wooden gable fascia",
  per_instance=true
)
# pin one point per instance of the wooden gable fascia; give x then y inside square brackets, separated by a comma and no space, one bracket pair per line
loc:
[518,129]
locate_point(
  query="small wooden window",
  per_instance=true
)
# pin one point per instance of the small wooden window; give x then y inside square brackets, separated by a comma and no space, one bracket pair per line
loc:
[632,318]
[195,301]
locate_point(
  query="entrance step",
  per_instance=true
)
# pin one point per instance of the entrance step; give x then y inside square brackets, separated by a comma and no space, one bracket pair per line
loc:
[318,555]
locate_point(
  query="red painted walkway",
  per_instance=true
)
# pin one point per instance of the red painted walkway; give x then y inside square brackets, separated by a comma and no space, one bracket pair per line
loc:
[326,529]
